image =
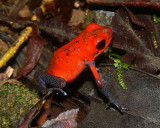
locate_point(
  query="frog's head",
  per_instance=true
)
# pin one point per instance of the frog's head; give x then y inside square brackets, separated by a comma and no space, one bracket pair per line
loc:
[98,38]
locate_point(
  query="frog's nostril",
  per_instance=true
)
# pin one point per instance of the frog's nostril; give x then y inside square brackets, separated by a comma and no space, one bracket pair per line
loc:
[104,30]
[107,31]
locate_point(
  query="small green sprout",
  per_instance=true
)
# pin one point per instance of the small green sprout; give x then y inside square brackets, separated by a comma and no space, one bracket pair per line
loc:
[154,40]
[156,19]
[120,66]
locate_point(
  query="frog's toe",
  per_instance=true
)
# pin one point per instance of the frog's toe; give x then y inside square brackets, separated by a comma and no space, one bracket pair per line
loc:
[123,109]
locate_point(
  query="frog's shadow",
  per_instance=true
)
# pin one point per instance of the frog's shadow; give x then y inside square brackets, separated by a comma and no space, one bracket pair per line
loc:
[74,86]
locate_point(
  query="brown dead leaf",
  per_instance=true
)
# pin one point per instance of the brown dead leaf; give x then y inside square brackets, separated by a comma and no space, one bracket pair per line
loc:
[77,17]
[134,37]
[11,81]
[54,107]
[136,3]
[34,50]
[66,120]
[3,78]
[25,12]
[3,47]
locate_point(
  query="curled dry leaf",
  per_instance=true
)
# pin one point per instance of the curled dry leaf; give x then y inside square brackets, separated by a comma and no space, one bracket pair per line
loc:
[12,81]
[34,50]
[134,19]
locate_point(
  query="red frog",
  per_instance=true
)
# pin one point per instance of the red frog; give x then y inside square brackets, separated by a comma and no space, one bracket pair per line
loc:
[71,59]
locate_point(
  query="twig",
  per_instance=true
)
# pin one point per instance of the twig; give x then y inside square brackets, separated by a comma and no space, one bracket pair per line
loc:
[21,39]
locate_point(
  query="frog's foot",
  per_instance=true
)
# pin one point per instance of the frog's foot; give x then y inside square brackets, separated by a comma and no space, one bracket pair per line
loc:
[55,83]
[117,106]
[57,91]
[104,91]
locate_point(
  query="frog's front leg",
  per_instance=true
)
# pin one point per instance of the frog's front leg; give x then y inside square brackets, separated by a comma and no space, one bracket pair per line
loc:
[56,83]
[103,89]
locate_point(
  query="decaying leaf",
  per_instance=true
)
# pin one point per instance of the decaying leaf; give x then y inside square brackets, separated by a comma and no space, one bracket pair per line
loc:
[64,120]
[134,19]
[56,28]
[135,40]
[137,3]
[3,47]
[61,8]
[53,26]
[4,77]
[34,51]
[49,108]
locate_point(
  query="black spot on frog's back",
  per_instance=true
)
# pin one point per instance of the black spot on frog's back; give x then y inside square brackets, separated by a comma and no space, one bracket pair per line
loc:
[77,41]
[67,54]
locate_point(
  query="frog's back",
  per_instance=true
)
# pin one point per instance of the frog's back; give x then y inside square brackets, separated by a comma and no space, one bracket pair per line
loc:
[67,62]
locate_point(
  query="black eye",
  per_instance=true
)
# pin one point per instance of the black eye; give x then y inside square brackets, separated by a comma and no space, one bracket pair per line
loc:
[101,44]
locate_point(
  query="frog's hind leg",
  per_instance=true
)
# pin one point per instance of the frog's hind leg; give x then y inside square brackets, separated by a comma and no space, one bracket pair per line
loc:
[103,89]
[56,83]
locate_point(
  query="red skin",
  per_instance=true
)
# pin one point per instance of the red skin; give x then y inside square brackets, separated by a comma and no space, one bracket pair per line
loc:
[71,59]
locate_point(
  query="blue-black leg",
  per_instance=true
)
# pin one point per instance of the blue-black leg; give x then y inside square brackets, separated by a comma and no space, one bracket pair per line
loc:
[103,89]
[104,92]
[56,83]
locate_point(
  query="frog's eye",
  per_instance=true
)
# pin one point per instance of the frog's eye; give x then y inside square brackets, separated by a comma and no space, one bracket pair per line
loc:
[101,44]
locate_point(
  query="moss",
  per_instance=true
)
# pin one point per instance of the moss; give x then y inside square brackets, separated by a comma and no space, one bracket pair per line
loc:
[90,17]
[118,64]
[154,40]
[156,19]
[15,102]
[103,18]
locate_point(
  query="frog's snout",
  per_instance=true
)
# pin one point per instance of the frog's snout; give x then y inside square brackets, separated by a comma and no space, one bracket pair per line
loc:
[108,31]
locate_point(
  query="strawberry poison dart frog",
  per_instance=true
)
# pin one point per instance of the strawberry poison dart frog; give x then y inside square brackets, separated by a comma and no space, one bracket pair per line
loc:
[71,59]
